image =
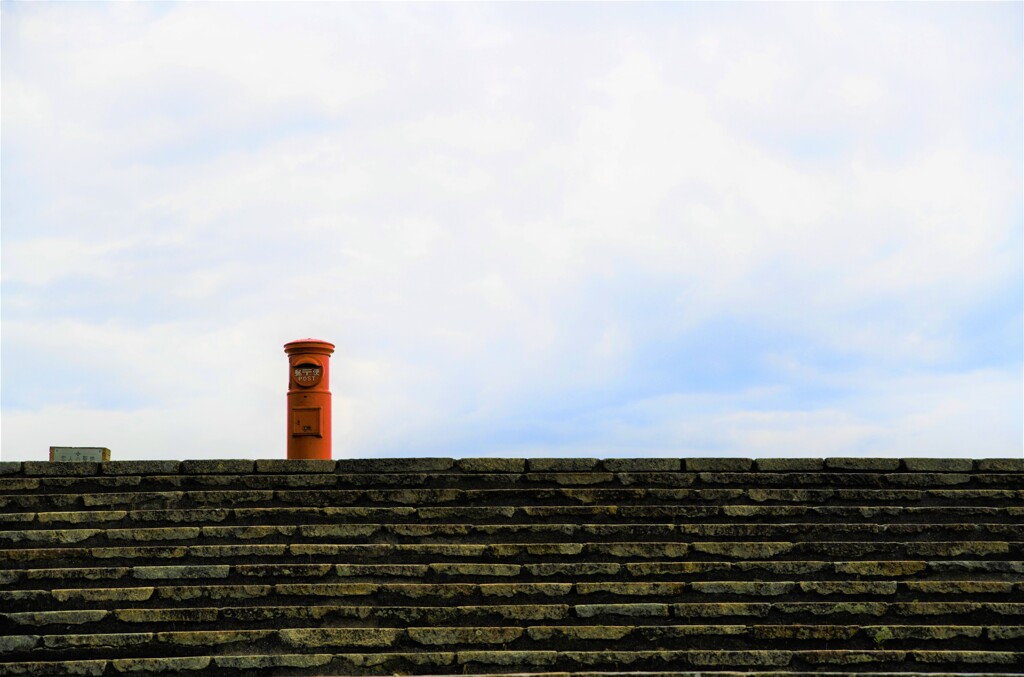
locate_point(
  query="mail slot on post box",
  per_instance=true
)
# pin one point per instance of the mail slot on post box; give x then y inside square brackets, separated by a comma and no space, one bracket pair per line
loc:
[309,398]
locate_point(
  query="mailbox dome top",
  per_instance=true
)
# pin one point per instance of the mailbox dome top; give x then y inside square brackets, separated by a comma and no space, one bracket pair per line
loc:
[309,345]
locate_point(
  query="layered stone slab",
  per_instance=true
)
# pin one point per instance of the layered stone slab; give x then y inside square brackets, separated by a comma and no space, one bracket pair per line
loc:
[559,565]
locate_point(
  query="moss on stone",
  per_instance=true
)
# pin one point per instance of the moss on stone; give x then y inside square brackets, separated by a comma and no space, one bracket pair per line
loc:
[19,484]
[514,589]
[10,467]
[12,643]
[486,570]
[1001,465]
[561,465]
[845,657]
[148,616]
[517,612]
[860,463]
[832,608]
[645,550]
[744,550]
[267,661]
[327,589]
[958,548]
[169,664]
[234,466]
[396,570]
[154,534]
[463,635]
[541,549]
[1002,632]
[849,587]
[33,668]
[789,464]
[652,589]
[98,641]
[510,658]
[646,610]
[804,632]
[960,587]
[881,568]
[745,658]
[211,637]
[675,568]
[281,465]
[637,465]
[82,516]
[938,464]
[140,467]
[338,530]
[179,572]
[445,591]
[546,633]
[44,618]
[973,657]
[719,609]
[752,588]
[65,469]
[318,637]
[50,536]
[103,594]
[491,465]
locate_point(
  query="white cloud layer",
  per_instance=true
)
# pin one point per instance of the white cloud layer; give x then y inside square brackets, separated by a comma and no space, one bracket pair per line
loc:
[766,229]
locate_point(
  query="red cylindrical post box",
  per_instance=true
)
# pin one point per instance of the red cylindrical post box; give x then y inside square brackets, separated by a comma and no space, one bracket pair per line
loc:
[309,398]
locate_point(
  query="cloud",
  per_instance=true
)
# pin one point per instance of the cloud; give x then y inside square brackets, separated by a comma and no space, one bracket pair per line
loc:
[528,229]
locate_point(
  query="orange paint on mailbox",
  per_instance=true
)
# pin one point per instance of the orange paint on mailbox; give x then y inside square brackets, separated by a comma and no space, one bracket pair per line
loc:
[309,398]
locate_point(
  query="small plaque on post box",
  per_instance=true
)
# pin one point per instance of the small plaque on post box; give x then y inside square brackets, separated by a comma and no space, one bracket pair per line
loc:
[306,421]
[307,374]
[86,454]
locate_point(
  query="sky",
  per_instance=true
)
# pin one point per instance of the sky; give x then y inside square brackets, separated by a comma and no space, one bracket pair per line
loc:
[549,229]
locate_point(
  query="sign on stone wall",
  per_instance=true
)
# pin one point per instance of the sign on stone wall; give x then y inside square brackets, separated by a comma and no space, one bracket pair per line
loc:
[66,454]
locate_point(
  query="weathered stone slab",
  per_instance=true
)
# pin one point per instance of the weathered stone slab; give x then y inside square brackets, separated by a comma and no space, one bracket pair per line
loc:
[956,465]
[509,658]
[790,464]
[462,635]
[12,643]
[491,465]
[267,661]
[633,589]
[394,465]
[19,483]
[643,610]
[746,588]
[720,609]
[233,466]
[178,615]
[859,463]
[10,467]
[44,618]
[172,664]
[321,637]
[68,469]
[210,637]
[639,465]
[103,594]
[34,668]
[309,465]
[559,465]
[141,467]
[81,516]
[722,464]
[180,572]
[98,641]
